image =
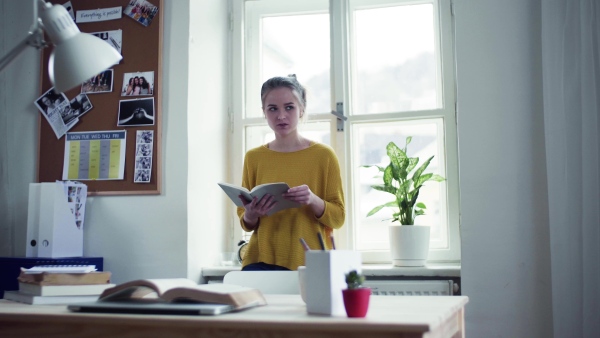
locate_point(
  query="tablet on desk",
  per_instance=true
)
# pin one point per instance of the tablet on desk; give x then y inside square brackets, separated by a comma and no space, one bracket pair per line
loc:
[152,308]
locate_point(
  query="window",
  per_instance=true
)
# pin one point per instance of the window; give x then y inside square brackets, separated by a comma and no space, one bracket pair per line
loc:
[387,64]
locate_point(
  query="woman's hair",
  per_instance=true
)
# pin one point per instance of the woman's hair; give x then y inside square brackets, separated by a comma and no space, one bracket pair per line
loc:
[143,82]
[287,82]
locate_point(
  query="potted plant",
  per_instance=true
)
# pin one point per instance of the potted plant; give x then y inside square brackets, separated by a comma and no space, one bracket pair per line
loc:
[409,244]
[356,296]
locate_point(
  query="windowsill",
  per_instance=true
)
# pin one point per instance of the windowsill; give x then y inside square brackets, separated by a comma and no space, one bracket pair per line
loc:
[379,270]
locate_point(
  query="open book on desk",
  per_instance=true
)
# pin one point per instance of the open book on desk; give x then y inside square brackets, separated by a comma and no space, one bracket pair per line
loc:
[274,189]
[182,290]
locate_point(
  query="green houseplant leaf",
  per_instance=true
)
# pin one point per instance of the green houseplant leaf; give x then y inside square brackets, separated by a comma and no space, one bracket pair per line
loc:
[404,186]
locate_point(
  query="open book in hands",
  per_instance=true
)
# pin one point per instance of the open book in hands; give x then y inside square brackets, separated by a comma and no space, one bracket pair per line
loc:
[184,290]
[274,189]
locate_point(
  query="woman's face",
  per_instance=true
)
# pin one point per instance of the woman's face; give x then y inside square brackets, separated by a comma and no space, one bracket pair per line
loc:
[282,111]
[136,80]
[46,101]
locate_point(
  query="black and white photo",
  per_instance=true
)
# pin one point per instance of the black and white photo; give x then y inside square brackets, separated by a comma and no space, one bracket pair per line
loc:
[137,112]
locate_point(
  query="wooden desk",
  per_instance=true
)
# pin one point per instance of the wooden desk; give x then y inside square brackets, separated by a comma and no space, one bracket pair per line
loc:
[285,316]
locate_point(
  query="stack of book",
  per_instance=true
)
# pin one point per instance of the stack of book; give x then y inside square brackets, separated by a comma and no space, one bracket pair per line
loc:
[40,285]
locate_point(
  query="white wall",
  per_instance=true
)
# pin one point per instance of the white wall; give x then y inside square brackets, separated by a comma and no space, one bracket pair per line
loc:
[19,86]
[209,231]
[505,241]
[505,254]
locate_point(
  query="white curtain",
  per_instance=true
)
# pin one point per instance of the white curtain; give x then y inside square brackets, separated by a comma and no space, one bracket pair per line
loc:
[571,89]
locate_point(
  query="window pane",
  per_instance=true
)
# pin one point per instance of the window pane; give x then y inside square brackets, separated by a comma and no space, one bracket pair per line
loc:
[298,44]
[396,61]
[371,140]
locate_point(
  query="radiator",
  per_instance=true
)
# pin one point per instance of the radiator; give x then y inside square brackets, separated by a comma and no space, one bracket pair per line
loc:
[411,287]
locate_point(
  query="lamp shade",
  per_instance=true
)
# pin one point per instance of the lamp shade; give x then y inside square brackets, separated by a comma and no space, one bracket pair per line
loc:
[76,56]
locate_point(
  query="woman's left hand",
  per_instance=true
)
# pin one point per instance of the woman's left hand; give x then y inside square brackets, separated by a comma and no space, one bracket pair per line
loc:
[300,194]
[304,196]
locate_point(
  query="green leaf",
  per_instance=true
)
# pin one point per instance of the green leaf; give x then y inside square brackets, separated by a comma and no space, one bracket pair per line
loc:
[415,196]
[385,188]
[380,168]
[421,169]
[391,204]
[375,210]
[403,170]
[413,163]
[421,205]
[404,187]
[396,156]
[388,175]
[437,178]
[422,179]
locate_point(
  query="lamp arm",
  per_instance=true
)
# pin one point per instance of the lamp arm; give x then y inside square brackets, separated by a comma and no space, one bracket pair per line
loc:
[35,38]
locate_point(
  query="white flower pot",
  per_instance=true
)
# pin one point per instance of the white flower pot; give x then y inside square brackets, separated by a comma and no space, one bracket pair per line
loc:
[409,244]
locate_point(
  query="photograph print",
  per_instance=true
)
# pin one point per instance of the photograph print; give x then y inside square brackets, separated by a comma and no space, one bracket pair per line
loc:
[136,84]
[99,83]
[136,112]
[142,176]
[50,101]
[79,105]
[143,149]
[141,11]
[114,38]
[145,136]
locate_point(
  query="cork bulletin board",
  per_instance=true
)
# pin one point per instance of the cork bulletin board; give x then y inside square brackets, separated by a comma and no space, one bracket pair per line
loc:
[141,48]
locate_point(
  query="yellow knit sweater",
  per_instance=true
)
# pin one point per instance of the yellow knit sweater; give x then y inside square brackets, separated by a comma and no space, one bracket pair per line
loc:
[277,238]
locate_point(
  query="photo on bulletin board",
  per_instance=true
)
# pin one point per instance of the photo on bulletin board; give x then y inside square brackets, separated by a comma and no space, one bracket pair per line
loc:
[137,112]
[139,83]
[100,83]
[50,101]
[69,7]
[78,106]
[145,136]
[141,11]
[114,38]
[142,176]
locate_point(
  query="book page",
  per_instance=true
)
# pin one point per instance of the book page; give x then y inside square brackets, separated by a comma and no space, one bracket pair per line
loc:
[236,295]
[274,189]
[234,191]
[144,288]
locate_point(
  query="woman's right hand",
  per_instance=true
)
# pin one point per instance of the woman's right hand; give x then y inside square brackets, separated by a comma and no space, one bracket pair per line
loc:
[256,209]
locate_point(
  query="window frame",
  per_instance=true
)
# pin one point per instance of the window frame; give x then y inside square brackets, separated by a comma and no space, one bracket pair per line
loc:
[341,66]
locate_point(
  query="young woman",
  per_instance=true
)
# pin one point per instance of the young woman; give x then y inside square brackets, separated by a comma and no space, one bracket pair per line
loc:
[144,86]
[130,86]
[311,170]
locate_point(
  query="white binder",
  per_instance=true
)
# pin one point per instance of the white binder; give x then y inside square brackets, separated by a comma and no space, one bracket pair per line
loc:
[55,219]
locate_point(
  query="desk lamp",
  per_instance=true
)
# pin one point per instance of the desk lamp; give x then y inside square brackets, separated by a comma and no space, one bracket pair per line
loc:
[76,56]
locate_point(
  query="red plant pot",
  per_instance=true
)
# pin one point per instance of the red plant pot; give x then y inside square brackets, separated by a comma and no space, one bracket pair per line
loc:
[356,301]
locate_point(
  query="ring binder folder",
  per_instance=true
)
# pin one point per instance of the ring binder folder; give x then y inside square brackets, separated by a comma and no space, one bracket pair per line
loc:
[55,219]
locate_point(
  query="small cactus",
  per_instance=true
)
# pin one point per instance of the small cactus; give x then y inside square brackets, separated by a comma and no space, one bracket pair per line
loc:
[354,280]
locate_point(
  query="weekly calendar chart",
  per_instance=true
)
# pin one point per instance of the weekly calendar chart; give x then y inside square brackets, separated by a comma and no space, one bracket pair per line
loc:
[98,155]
